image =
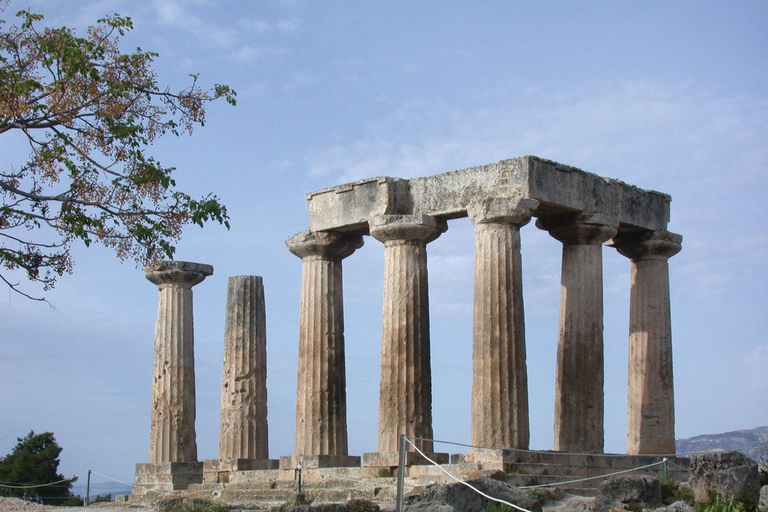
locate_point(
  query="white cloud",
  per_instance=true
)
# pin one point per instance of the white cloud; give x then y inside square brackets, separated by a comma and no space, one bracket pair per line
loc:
[175,14]
[248,54]
[258,26]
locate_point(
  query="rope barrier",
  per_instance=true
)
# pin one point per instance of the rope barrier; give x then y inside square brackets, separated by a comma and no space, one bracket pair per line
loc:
[38,485]
[554,484]
[462,482]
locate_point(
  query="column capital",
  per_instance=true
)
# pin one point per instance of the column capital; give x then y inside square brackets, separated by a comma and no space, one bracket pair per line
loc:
[498,210]
[580,228]
[184,273]
[648,245]
[406,228]
[330,245]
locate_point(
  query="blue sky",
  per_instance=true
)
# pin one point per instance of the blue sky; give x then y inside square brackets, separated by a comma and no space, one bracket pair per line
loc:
[665,95]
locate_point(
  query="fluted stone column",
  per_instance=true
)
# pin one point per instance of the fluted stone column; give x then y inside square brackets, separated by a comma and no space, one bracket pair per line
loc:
[172,430]
[321,403]
[500,378]
[405,400]
[579,407]
[651,396]
[244,432]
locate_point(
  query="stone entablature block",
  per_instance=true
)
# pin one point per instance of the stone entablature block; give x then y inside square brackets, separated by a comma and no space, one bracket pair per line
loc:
[558,188]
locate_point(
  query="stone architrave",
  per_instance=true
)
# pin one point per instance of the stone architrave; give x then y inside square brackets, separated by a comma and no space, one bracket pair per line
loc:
[650,401]
[321,404]
[244,432]
[172,431]
[500,378]
[405,400]
[579,407]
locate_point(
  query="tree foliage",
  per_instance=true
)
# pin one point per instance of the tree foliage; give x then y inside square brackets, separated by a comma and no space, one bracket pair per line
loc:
[30,469]
[88,113]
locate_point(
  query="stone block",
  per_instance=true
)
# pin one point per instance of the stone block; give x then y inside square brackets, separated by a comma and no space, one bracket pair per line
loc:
[392,459]
[724,473]
[559,188]
[763,503]
[167,476]
[290,462]
[216,471]
[632,489]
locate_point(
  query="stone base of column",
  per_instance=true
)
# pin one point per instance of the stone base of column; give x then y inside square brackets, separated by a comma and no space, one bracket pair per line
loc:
[489,455]
[392,459]
[319,461]
[216,471]
[167,476]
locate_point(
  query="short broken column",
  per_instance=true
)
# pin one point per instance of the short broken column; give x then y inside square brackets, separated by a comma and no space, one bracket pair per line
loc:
[500,378]
[579,399]
[173,445]
[321,401]
[405,399]
[243,433]
[650,401]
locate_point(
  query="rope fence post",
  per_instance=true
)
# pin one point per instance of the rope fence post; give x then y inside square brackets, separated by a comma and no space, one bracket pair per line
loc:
[87,489]
[400,475]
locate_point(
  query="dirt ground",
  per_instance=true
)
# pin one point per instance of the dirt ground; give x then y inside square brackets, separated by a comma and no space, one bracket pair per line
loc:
[17,505]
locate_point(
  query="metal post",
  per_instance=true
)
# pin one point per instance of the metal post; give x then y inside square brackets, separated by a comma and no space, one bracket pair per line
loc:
[298,469]
[400,475]
[666,471]
[88,489]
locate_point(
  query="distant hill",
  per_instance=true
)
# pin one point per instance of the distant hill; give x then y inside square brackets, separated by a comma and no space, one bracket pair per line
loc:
[753,442]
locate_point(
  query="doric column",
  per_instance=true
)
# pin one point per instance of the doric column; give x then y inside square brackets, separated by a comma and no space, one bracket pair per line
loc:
[500,378]
[579,407]
[172,431]
[405,401]
[244,432]
[321,402]
[651,396]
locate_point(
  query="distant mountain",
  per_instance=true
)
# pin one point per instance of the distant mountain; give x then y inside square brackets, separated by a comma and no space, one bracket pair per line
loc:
[100,488]
[753,442]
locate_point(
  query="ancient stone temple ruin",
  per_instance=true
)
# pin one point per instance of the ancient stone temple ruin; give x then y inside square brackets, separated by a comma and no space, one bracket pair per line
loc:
[583,211]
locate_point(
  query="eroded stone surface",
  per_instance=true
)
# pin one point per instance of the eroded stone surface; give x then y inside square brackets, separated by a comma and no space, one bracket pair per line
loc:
[321,404]
[579,407]
[405,399]
[244,429]
[726,474]
[500,378]
[172,428]
[650,403]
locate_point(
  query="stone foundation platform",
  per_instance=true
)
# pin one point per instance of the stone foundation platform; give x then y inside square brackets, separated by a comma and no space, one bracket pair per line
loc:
[377,482]
[167,476]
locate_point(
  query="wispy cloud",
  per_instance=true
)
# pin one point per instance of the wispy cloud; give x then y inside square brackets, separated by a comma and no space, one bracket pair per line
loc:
[247,54]
[175,14]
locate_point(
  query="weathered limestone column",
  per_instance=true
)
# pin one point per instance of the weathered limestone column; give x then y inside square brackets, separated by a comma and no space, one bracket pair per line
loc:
[405,400]
[243,435]
[172,430]
[500,378]
[321,403]
[651,397]
[579,407]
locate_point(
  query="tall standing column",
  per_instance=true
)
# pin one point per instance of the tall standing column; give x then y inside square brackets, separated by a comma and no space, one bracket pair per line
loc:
[321,403]
[500,378]
[405,400]
[579,406]
[172,430]
[244,431]
[651,396]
